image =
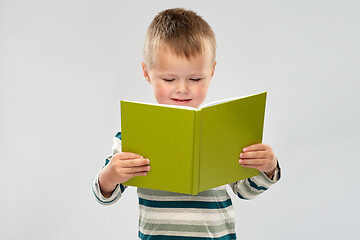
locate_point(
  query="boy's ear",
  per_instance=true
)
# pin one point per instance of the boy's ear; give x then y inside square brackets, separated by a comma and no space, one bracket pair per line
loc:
[213,70]
[145,72]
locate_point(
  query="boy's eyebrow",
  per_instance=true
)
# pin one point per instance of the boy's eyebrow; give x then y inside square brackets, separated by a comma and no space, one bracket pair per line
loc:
[175,75]
[170,73]
[167,74]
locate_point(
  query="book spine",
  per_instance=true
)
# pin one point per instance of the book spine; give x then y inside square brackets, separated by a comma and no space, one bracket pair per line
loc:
[196,159]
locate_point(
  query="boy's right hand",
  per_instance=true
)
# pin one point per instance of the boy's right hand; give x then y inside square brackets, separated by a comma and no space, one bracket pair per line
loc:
[122,167]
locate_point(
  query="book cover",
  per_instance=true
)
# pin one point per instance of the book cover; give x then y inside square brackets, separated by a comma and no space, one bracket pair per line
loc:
[192,150]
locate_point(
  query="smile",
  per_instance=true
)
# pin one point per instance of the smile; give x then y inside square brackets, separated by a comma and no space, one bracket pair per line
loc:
[181,100]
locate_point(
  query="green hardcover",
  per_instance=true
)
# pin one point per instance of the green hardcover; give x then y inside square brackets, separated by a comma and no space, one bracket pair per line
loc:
[192,150]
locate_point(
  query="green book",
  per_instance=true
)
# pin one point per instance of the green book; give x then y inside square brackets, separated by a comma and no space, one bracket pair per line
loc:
[192,150]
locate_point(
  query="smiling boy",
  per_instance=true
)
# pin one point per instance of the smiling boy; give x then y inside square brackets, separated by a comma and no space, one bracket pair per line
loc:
[179,62]
[177,80]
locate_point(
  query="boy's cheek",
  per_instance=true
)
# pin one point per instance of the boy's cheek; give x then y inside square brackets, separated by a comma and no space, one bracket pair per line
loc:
[161,94]
[202,91]
[161,91]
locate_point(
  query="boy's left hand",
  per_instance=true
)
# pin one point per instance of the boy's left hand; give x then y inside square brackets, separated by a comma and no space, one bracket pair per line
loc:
[259,156]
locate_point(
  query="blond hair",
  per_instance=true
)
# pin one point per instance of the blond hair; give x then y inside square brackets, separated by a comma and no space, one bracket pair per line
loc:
[182,31]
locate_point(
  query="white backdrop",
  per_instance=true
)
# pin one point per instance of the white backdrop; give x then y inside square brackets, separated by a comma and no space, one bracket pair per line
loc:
[64,66]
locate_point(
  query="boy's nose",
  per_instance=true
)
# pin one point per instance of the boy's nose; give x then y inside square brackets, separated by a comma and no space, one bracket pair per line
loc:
[182,87]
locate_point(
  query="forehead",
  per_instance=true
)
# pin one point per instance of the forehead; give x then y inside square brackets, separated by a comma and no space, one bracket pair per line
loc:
[166,60]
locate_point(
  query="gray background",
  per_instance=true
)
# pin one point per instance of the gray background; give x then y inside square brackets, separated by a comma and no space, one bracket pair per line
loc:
[64,66]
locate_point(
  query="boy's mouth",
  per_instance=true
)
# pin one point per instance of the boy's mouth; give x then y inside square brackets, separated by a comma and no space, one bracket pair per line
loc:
[181,101]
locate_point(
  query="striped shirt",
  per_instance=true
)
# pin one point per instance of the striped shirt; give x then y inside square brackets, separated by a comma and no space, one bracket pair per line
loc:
[167,215]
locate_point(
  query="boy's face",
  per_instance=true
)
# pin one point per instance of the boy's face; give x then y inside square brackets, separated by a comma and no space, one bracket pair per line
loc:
[178,81]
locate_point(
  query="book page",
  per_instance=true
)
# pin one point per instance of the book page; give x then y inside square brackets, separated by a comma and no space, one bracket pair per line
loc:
[224,100]
[218,102]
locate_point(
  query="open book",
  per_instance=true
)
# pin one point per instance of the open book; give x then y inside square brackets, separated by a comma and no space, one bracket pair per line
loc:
[192,150]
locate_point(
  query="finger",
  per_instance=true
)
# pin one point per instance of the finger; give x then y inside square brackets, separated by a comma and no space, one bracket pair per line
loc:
[137,174]
[129,155]
[253,166]
[257,154]
[256,147]
[136,169]
[130,163]
[255,162]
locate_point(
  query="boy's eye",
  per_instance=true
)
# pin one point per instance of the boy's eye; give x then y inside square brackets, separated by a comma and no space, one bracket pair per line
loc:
[168,79]
[195,79]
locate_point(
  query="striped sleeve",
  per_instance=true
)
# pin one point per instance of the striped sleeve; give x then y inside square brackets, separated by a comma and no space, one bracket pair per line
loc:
[117,193]
[251,187]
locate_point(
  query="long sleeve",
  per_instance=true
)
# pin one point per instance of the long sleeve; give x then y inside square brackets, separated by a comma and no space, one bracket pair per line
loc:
[251,187]
[117,193]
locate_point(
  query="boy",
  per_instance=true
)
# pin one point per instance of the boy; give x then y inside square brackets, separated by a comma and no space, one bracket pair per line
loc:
[179,61]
